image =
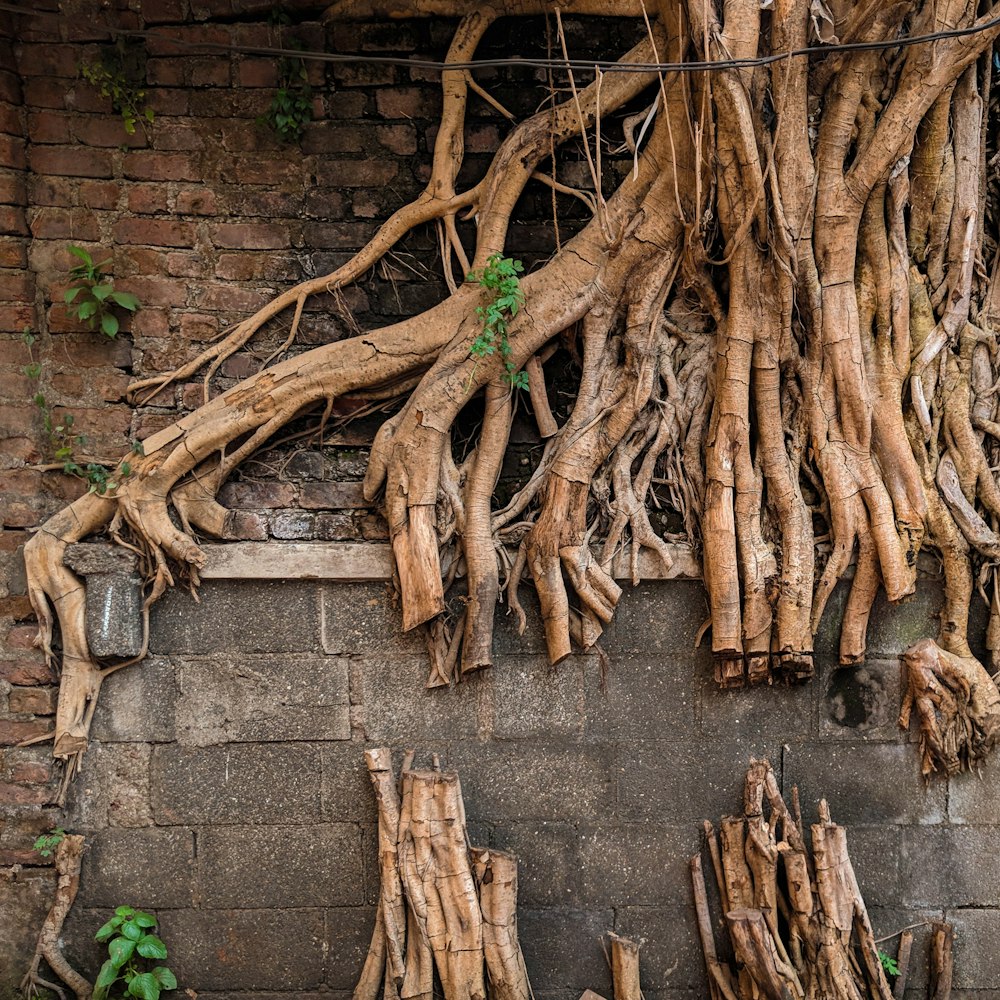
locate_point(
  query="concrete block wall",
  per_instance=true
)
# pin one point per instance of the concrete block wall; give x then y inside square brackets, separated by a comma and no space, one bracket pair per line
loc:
[226,789]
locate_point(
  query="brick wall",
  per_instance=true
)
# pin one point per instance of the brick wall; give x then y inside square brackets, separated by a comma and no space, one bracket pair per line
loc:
[225,787]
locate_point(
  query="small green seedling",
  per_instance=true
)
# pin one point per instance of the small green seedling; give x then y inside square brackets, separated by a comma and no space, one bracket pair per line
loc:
[91,297]
[504,298]
[119,73]
[132,947]
[47,843]
[889,964]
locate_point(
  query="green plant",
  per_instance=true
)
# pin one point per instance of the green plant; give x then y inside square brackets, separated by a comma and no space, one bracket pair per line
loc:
[504,298]
[48,842]
[889,964]
[291,107]
[119,72]
[63,440]
[131,942]
[92,296]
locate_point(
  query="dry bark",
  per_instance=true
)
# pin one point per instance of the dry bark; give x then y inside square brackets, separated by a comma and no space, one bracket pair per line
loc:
[780,331]
[805,931]
[68,858]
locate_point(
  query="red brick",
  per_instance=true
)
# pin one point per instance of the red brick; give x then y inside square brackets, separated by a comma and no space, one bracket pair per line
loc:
[244,525]
[48,127]
[398,139]
[31,772]
[151,323]
[51,61]
[196,201]
[183,136]
[106,132]
[16,287]
[13,254]
[17,317]
[58,191]
[27,671]
[148,165]
[256,496]
[23,795]
[43,93]
[13,189]
[10,120]
[154,232]
[165,73]
[331,496]
[33,700]
[169,101]
[355,173]
[12,733]
[12,222]
[164,11]
[71,161]
[147,199]
[12,152]
[265,170]
[409,102]
[258,72]
[76,224]
[22,636]
[196,326]
[144,261]
[250,236]
[99,194]
[209,72]
[87,351]
[225,298]
[187,265]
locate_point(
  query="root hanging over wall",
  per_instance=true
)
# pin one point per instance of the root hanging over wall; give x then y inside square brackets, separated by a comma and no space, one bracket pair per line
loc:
[779,322]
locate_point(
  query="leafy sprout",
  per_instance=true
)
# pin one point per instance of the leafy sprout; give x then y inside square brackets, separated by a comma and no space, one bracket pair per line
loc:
[132,947]
[48,842]
[504,298]
[91,297]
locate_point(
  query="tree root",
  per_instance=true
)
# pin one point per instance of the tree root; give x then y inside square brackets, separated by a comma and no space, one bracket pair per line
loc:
[957,703]
[776,311]
[68,858]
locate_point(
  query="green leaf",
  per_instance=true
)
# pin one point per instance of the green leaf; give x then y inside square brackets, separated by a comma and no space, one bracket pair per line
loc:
[142,918]
[165,977]
[144,986]
[138,449]
[124,911]
[109,325]
[126,471]
[72,294]
[82,254]
[131,930]
[101,292]
[126,300]
[86,309]
[107,931]
[105,978]
[121,950]
[150,946]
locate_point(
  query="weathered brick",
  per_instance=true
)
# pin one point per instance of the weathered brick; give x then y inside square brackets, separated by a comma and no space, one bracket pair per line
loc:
[33,701]
[250,236]
[293,525]
[154,866]
[563,948]
[61,223]
[858,702]
[292,866]
[977,934]
[71,161]
[874,783]
[137,704]
[99,194]
[331,496]
[155,232]
[237,616]
[147,199]
[256,495]
[106,132]
[27,671]
[196,201]
[148,165]
[114,789]
[949,866]
[260,699]
[355,173]
[22,795]
[363,618]
[235,785]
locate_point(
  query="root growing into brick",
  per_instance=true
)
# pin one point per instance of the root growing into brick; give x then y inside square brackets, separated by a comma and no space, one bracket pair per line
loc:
[782,326]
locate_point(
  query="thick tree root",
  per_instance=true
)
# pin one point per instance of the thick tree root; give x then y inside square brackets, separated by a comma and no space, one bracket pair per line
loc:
[779,332]
[957,704]
[68,858]
[796,923]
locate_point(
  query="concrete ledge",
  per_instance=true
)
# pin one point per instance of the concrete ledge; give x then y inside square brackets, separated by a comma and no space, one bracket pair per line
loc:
[348,561]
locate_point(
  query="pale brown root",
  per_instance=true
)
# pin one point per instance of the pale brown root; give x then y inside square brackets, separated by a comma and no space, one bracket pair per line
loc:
[957,705]
[68,858]
[496,879]
[625,968]
[942,962]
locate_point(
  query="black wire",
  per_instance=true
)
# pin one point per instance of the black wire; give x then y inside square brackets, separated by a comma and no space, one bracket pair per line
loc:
[577,65]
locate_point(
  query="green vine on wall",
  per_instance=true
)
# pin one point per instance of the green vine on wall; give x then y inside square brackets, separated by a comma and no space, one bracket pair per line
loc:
[119,73]
[291,107]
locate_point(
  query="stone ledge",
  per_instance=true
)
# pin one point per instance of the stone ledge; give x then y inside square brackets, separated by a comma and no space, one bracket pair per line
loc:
[356,561]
